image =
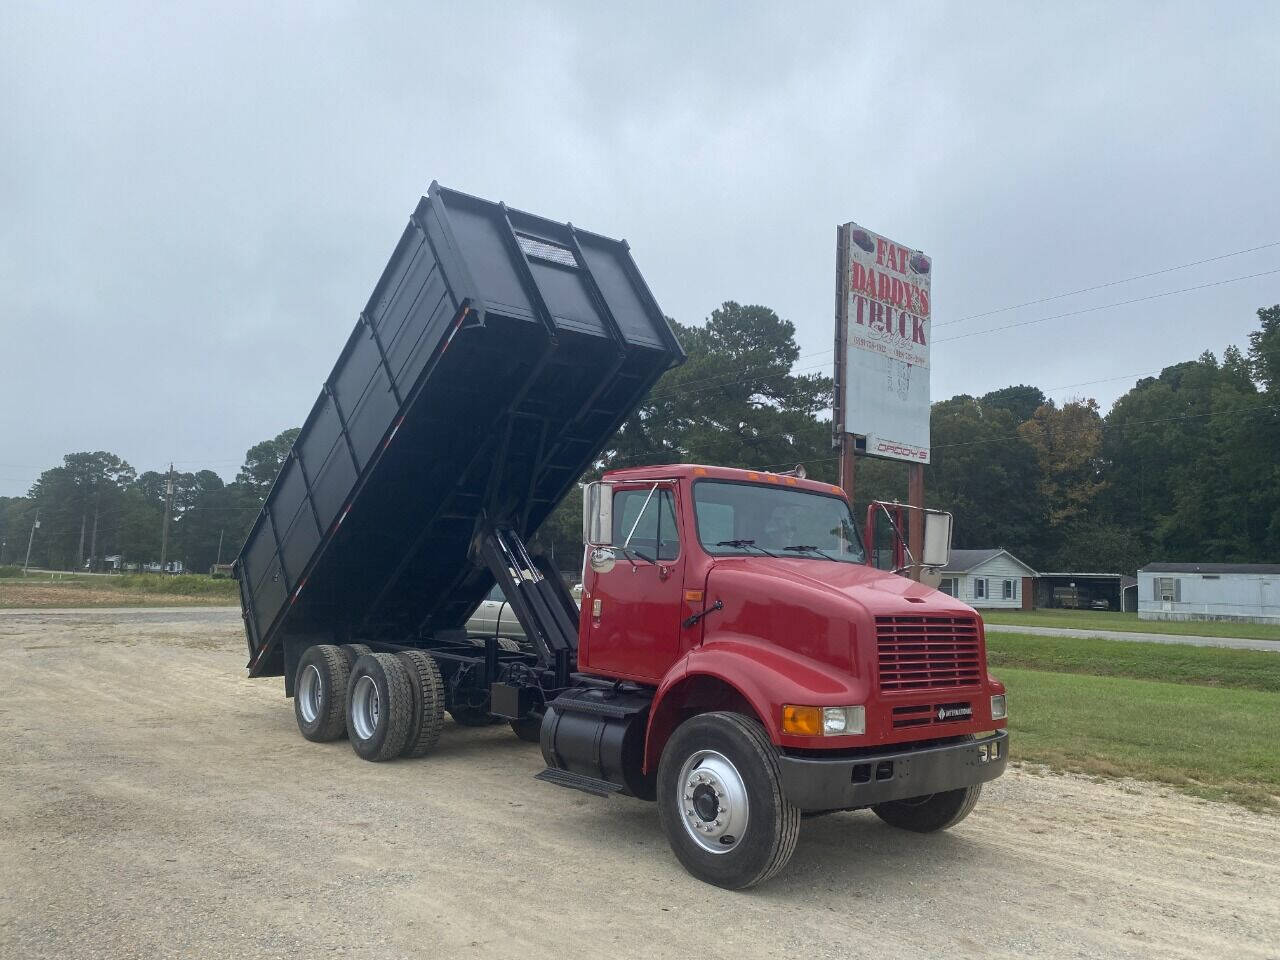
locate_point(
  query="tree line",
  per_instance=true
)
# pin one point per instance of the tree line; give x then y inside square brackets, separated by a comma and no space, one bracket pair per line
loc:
[95,505]
[1183,466]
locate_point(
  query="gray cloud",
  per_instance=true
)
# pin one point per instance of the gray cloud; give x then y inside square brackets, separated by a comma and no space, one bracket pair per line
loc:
[196,202]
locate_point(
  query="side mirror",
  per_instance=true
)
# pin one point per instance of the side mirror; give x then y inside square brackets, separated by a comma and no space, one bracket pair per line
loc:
[937,539]
[597,514]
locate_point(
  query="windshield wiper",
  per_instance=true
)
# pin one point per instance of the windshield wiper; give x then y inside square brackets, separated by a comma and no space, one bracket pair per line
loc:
[811,549]
[628,551]
[740,544]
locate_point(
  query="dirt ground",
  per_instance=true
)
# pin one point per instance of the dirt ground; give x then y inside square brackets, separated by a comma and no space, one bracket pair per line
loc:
[21,594]
[155,803]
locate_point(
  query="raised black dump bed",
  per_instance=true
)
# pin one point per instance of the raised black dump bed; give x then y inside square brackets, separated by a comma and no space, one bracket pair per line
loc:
[497,355]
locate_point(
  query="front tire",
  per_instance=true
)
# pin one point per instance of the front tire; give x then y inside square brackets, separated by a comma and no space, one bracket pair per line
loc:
[379,706]
[721,804]
[931,813]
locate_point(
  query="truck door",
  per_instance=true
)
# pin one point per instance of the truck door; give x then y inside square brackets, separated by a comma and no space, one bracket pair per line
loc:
[633,612]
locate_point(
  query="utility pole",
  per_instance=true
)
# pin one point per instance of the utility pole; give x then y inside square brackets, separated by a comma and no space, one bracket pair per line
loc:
[220,533]
[915,529]
[34,527]
[84,517]
[842,440]
[168,508]
[93,539]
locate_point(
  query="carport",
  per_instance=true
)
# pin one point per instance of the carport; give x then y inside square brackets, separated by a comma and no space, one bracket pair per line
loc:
[1078,591]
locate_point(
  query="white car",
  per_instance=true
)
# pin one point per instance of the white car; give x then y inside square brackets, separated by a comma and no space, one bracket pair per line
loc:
[494,617]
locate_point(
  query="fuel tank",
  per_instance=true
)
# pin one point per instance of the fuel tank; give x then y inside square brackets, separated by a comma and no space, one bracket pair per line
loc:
[598,732]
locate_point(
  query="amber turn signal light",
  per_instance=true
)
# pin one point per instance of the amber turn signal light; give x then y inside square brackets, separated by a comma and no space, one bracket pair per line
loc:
[802,721]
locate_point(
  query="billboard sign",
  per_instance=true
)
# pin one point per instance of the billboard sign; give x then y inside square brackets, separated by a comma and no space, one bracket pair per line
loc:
[883,321]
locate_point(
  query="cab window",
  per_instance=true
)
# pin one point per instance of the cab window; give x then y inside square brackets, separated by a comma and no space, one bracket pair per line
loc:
[652,514]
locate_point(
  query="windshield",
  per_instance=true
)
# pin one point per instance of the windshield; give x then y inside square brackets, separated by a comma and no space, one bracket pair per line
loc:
[743,518]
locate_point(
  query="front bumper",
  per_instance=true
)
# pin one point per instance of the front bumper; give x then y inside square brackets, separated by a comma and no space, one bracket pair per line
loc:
[849,782]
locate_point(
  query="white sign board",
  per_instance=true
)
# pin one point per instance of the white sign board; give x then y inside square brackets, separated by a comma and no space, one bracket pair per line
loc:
[883,332]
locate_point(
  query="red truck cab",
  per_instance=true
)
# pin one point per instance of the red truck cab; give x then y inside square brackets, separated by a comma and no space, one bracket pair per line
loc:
[713,592]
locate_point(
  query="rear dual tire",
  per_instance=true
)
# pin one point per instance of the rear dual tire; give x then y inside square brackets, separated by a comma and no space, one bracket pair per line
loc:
[428,702]
[380,706]
[320,693]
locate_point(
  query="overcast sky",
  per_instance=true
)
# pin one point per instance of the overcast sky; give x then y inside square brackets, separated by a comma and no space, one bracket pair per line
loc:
[195,203]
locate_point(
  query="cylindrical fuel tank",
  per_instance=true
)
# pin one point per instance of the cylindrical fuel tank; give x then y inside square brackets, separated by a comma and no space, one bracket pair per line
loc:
[599,733]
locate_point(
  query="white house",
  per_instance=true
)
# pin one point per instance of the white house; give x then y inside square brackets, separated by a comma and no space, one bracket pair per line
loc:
[989,578]
[1210,591]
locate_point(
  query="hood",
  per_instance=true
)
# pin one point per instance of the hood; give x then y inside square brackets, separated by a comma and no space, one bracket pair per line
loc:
[879,592]
[818,608]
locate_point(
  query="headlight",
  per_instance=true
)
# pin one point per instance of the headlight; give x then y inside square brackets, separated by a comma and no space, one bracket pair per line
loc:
[824,721]
[999,711]
[840,721]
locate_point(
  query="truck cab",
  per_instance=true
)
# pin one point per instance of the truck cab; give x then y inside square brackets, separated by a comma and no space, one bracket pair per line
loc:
[711,592]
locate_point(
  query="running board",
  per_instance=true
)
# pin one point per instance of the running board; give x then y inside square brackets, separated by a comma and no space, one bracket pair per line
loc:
[575,781]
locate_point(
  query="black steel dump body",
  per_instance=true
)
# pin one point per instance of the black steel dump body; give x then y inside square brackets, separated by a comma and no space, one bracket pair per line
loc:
[497,355]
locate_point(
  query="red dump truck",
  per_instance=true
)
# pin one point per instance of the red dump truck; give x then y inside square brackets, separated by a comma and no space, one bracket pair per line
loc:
[736,658]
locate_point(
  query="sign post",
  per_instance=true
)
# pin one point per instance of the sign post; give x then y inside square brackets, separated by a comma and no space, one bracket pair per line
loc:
[883,329]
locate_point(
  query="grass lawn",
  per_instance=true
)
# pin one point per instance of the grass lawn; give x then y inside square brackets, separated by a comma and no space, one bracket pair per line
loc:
[1169,663]
[1087,620]
[1214,742]
[126,590]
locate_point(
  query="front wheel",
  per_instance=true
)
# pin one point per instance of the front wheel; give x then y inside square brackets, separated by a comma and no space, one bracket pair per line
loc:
[721,804]
[937,811]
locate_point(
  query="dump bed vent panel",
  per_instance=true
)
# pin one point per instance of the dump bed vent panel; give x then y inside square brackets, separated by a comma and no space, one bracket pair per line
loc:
[927,653]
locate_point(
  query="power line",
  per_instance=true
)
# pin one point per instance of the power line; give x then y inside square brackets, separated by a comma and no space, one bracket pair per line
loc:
[1031,303]
[1108,306]
[717,380]
[964,443]
[1089,383]
[1105,426]
[1112,283]
[681,389]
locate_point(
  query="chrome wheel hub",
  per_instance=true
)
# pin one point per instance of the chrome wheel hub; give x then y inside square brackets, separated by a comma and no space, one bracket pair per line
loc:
[309,694]
[713,801]
[366,707]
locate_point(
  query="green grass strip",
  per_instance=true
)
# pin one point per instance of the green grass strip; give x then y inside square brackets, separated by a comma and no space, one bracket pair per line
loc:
[1178,663]
[1213,742]
[1086,620]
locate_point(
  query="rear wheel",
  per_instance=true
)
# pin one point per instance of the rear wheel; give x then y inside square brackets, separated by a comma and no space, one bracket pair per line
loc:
[428,702]
[504,643]
[721,804]
[467,716]
[320,693]
[353,652]
[379,706]
[927,814]
[528,729]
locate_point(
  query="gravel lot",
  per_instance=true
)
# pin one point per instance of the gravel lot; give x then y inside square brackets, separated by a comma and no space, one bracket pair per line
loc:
[155,803]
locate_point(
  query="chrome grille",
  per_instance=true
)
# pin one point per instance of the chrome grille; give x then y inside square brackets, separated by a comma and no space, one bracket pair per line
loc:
[927,653]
